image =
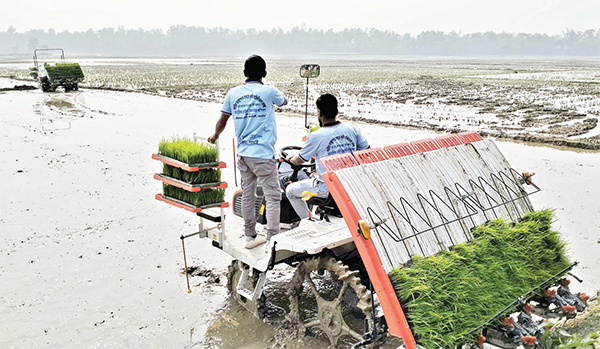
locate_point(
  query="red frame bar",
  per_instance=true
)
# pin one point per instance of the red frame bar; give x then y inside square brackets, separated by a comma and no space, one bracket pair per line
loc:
[339,161]
[182,185]
[399,150]
[184,166]
[371,155]
[187,206]
[447,141]
[470,136]
[392,310]
[425,145]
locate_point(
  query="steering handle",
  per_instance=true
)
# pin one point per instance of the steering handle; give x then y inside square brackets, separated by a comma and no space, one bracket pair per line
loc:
[284,156]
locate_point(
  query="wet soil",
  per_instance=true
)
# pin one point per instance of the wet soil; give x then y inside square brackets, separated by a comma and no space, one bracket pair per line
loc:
[89,258]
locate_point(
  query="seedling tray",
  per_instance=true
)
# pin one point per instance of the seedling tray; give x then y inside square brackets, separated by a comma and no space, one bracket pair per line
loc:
[188,167]
[188,207]
[187,186]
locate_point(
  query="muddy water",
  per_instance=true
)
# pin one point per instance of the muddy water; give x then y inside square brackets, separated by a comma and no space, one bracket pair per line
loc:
[89,258]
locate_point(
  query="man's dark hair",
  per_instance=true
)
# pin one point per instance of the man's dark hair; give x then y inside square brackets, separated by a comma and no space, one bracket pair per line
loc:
[327,104]
[255,67]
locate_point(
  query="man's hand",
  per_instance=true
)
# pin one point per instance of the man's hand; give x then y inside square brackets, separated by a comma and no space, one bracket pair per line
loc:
[212,139]
[295,159]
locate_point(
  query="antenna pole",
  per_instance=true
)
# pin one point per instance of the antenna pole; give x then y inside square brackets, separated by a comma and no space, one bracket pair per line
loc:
[306,110]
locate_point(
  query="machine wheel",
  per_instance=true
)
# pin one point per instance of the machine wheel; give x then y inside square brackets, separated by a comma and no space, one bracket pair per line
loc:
[339,297]
[45,84]
[257,307]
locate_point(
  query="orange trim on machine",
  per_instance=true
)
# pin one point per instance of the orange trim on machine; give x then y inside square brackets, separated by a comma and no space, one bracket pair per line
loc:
[338,161]
[399,150]
[392,310]
[370,155]
[469,136]
[447,141]
[424,145]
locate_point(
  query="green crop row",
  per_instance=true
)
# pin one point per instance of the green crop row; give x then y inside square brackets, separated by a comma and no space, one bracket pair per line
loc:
[64,70]
[198,177]
[200,198]
[188,151]
[448,295]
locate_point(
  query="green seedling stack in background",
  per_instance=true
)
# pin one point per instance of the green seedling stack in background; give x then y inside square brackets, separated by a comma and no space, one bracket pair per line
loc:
[447,295]
[193,153]
[63,70]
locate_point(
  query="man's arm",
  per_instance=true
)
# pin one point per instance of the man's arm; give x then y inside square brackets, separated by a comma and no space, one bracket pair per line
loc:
[285,101]
[219,127]
[361,141]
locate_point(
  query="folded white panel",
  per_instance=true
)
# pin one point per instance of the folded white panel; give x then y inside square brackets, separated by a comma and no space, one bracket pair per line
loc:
[424,203]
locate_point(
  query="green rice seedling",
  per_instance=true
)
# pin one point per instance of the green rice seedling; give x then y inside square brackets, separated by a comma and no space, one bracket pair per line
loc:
[64,70]
[188,151]
[447,295]
[198,177]
[201,198]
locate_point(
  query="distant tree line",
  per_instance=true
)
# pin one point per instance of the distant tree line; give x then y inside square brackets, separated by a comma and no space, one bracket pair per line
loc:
[191,40]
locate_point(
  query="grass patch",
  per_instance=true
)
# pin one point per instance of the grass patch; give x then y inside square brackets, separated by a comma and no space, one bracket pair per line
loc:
[200,198]
[447,295]
[188,150]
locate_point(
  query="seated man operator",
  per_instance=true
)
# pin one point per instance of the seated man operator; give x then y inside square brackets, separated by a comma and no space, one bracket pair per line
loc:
[332,138]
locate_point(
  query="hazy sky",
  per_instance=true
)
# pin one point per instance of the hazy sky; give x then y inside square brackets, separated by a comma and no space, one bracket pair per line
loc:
[401,16]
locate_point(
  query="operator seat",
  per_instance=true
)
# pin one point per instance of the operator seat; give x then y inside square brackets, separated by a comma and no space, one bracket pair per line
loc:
[325,206]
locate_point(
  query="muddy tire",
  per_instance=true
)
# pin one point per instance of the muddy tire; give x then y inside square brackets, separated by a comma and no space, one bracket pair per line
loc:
[46,85]
[258,307]
[342,302]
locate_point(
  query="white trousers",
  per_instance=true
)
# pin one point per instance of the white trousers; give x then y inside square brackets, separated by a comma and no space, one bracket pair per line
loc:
[294,194]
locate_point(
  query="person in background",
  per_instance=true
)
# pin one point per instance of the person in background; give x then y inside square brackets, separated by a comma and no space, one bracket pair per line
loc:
[332,138]
[251,107]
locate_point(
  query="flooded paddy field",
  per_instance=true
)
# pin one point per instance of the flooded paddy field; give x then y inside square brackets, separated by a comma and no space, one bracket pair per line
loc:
[88,258]
[543,100]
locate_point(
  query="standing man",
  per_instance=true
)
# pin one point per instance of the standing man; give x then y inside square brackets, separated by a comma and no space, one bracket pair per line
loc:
[332,138]
[251,106]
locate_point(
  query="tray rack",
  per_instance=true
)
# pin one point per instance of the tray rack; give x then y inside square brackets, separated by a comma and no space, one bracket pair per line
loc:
[213,212]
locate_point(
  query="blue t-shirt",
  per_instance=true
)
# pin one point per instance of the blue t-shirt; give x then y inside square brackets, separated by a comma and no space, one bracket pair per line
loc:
[251,107]
[329,140]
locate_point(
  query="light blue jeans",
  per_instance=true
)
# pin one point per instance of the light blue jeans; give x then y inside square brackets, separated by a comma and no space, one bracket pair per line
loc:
[294,194]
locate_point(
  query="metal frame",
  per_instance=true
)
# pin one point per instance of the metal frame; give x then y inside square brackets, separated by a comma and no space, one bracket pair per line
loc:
[35,60]
[219,230]
[469,201]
